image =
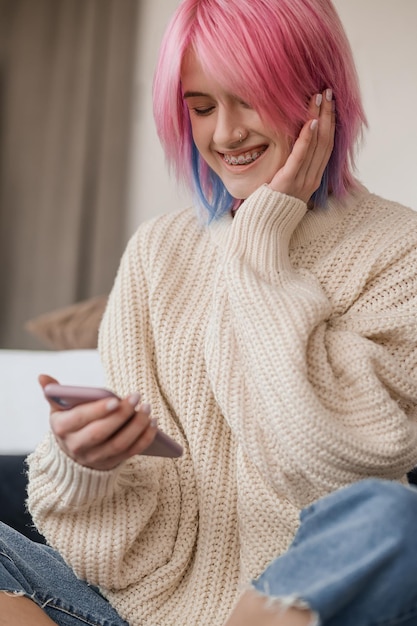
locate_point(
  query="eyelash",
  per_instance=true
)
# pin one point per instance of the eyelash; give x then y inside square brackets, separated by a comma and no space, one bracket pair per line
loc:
[203,112]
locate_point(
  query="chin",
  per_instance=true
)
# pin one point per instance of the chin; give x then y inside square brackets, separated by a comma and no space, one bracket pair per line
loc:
[242,191]
[242,187]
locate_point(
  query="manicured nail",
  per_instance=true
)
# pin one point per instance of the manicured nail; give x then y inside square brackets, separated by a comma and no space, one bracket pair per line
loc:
[145,408]
[319,99]
[134,399]
[329,95]
[314,124]
[154,422]
[112,404]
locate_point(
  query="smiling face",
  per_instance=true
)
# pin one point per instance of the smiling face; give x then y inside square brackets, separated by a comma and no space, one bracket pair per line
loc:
[217,117]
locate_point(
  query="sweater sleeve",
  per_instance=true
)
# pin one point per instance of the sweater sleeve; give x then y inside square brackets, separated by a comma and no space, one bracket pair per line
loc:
[316,397]
[114,527]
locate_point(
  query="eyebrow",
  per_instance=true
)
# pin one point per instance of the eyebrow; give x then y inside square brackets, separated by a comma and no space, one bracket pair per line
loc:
[194,94]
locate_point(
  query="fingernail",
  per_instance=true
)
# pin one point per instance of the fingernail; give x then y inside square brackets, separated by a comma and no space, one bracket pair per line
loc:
[319,99]
[329,95]
[112,404]
[154,422]
[134,399]
[145,408]
[313,124]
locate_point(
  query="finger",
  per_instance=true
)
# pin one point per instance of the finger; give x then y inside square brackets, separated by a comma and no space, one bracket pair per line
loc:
[112,411]
[303,145]
[315,105]
[125,429]
[315,111]
[44,380]
[128,441]
[97,434]
[313,167]
[290,178]
[326,123]
[125,444]
[327,127]
[305,158]
[319,109]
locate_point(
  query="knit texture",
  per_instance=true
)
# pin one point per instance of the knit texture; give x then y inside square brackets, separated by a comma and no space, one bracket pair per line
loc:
[279,347]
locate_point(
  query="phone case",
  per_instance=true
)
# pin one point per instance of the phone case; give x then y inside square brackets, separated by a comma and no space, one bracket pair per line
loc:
[68,396]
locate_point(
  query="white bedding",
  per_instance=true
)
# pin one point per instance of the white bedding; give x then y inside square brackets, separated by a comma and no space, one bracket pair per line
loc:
[23,410]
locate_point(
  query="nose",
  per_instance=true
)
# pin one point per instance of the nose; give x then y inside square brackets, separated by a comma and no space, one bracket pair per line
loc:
[228,127]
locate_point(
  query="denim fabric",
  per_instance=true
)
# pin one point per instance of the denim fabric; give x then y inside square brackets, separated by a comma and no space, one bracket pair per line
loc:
[38,572]
[354,559]
[353,562]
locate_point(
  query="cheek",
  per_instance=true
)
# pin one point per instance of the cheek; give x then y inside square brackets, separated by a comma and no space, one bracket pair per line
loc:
[200,135]
[282,151]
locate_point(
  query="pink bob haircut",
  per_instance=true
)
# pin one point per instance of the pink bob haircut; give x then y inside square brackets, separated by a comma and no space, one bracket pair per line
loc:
[274,55]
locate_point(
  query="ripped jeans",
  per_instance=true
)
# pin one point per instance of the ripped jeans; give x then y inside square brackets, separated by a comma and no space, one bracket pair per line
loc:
[38,572]
[353,562]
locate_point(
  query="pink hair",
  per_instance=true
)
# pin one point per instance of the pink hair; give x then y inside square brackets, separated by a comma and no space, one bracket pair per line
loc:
[274,55]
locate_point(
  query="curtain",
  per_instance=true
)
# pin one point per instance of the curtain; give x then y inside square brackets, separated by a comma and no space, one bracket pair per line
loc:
[66,82]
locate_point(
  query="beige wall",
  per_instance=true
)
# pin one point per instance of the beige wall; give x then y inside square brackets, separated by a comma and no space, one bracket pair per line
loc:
[383,35]
[383,38]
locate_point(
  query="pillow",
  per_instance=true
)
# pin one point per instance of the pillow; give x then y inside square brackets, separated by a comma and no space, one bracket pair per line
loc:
[74,327]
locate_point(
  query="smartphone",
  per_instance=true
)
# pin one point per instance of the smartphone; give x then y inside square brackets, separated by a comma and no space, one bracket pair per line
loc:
[68,396]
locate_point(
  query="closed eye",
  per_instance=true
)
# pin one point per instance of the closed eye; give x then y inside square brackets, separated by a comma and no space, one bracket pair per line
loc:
[245,105]
[202,110]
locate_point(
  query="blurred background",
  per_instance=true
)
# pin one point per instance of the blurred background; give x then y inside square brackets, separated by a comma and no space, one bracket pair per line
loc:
[80,163]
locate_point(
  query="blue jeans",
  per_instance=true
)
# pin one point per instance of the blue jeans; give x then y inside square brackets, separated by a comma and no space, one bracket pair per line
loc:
[353,562]
[38,572]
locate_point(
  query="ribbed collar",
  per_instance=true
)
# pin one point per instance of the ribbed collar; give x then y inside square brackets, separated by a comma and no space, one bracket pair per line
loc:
[318,221]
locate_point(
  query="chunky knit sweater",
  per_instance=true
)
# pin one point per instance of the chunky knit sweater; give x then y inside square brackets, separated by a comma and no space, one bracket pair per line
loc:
[279,347]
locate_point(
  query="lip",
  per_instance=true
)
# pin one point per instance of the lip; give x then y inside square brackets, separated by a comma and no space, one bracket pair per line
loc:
[237,153]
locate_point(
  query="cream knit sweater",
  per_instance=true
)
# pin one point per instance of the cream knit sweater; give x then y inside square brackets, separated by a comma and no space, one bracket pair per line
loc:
[280,349]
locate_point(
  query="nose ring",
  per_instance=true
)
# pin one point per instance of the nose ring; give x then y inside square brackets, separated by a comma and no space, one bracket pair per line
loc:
[240,137]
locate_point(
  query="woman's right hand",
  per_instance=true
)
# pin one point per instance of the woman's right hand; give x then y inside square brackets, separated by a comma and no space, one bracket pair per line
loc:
[104,433]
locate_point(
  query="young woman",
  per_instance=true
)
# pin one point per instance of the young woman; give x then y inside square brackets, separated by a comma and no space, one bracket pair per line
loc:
[273,335]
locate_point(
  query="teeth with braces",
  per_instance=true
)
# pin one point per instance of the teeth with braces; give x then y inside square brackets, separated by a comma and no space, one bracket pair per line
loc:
[243,159]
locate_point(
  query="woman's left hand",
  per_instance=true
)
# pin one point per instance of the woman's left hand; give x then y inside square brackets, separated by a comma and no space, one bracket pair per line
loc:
[301,174]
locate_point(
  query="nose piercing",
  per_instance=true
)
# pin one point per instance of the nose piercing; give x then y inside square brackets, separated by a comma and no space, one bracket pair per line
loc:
[240,137]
